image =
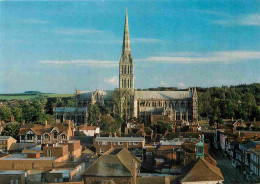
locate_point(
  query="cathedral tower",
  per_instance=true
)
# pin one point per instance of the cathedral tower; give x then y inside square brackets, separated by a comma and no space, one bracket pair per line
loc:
[126,64]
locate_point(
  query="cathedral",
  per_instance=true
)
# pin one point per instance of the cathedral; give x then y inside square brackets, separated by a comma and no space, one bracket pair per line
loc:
[177,105]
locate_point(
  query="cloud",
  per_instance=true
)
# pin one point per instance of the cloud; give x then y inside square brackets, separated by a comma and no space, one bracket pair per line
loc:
[212,12]
[181,85]
[205,57]
[93,63]
[92,41]
[246,20]
[35,21]
[146,40]
[112,80]
[164,84]
[77,31]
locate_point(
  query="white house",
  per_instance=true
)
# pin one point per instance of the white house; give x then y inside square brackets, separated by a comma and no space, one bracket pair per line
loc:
[89,130]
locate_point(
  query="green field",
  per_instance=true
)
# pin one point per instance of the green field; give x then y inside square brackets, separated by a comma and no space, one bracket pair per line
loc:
[22,96]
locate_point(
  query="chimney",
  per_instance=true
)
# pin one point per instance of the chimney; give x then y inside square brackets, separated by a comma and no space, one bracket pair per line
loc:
[12,119]
[46,123]
[115,134]
[232,119]
[23,122]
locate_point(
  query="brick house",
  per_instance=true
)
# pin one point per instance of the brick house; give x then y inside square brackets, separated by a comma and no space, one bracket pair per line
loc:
[6,142]
[37,133]
[133,144]
[51,159]
[119,165]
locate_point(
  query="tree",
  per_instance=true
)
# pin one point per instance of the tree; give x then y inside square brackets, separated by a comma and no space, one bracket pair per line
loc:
[109,124]
[93,113]
[161,127]
[17,113]
[5,112]
[11,130]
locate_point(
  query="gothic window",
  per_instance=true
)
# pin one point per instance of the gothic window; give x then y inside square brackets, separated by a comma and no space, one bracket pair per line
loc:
[130,83]
[125,70]
[125,83]
[131,70]
[128,80]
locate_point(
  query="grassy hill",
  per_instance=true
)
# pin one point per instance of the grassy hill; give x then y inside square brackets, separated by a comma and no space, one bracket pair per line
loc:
[28,96]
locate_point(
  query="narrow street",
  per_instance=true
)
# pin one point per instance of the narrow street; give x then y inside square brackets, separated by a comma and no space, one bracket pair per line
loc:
[231,175]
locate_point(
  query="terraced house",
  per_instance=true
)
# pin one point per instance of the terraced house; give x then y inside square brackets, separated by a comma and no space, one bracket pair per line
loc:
[37,133]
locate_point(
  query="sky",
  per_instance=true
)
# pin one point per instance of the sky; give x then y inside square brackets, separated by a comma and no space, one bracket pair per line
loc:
[57,47]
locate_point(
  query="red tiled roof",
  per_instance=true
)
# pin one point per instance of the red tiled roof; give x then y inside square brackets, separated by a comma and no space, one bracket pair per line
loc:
[85,127]
[203,171]
[39,129]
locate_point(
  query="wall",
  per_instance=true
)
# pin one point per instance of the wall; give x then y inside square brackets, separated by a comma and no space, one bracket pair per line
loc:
[56,151]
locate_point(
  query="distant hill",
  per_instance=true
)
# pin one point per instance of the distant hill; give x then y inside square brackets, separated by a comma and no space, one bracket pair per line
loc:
[32,92]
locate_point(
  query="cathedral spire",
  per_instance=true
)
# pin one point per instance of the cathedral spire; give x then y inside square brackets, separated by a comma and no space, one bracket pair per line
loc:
[126,38]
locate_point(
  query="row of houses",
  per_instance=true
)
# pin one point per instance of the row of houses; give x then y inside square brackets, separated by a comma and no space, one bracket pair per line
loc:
[243,150]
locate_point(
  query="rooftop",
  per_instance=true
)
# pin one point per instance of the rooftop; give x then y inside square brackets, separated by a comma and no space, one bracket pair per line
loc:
[12,172]
[120,139]
[168,95]
[65,171]
[202,170]
[23,156]
[115,164]
[178,141]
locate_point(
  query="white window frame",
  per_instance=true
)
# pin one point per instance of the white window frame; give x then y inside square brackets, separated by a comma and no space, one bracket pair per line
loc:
[101,150]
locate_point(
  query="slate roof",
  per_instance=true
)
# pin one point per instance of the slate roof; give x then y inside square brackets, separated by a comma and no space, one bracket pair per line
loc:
[164,95]
[113,165]
[41,129]
[251,144]
[86,95]
[120,139]
[21,146]
[202,170]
